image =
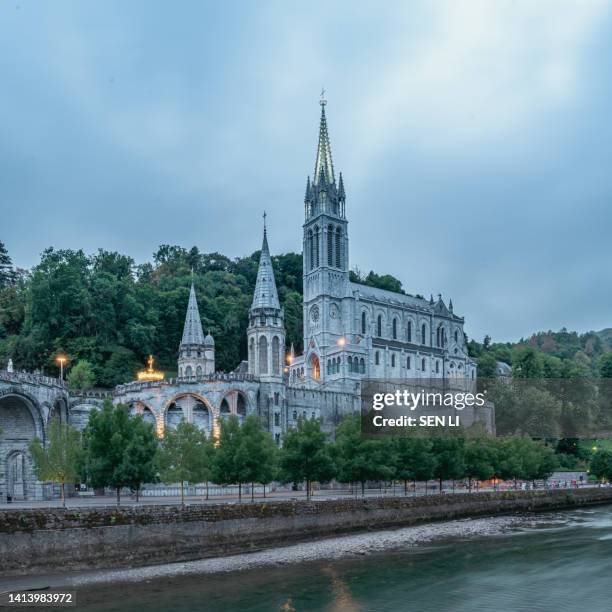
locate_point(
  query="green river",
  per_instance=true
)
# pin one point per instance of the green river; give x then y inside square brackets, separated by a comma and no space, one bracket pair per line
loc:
[562,562]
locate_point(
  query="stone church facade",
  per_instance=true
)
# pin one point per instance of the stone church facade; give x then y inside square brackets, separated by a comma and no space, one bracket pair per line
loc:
[351,332]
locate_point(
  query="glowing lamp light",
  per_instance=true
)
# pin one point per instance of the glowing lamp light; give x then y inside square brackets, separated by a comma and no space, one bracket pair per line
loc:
[341,341]
[62,360]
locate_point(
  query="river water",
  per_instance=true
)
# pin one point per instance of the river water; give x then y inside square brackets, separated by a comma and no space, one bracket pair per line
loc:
[561,562]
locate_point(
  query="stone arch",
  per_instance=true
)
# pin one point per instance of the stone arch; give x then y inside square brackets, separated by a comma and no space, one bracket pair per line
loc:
[275,355]
[12,401]
[173,412]
[147,413]
[315,366]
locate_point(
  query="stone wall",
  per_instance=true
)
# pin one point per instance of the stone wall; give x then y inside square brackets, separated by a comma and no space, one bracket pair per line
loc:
[43,540]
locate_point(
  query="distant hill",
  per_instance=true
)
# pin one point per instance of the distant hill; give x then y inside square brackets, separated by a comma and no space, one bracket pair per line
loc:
[606,337]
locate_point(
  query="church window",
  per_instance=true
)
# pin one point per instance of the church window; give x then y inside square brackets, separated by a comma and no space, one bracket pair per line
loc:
[423,364]
[350,364]
[277,439]
[275,355]
[330,245]
[362,364]
[328,367]
[379,326]
[408,365]
[316,246]
[394,329]
[338,365]
[310,246]
[276,398]
[377,358]
[409,331]
[252,353]
[363,322]
[392,361]
[263,355]
[313,415]
[437,367]
[295,415]
[423,333]
[188,371]
[277,419]
[338,248]
[456,336]
[199,371]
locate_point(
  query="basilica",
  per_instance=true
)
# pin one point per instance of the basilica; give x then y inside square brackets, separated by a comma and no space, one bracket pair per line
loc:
[352,332]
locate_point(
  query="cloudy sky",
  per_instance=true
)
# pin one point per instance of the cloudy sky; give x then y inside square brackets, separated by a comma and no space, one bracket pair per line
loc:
[475,138]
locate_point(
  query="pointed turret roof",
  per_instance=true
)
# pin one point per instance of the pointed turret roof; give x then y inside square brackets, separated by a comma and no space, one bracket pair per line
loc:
[265,295]
[323,166]
[192,332]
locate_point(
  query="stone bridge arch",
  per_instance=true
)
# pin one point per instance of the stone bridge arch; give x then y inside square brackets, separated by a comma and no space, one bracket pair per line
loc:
[191,406]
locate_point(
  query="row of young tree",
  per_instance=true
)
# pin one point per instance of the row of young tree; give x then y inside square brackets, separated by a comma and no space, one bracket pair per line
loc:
[119,450]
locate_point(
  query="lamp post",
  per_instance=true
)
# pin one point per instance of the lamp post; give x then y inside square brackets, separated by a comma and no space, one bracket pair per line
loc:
[61,359]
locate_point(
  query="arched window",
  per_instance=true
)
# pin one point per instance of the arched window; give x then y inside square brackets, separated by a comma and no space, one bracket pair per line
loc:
[437,367]
[409,331]
[423,364]
[337,365]
[379,326]
[315,368]
[330,245]
[377,358]
[252,355]
[438,336]
[456,336]
[394,329]
[423,333]
[328,367]
[275,355]
[316,245]
[311,253]
[362,365]
[338,248]
[363,322]
[408,364]
[188,371]
[392,361]
[350,364]
[199,371]
[263,355]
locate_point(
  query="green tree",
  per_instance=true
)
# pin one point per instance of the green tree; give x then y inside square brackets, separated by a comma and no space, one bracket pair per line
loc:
[185,455]
[360,459]
[601,464]
[480,458]
[140,462]
[487,365]
[81,376]
[7,274]
[605,365]
[414,460]
[226,469]
[112,437]
[305,455]
[60,461]
[256,453]
[449,452]
[527,362]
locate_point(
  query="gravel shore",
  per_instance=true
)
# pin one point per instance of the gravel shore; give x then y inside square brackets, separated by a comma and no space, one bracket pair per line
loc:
[331,548]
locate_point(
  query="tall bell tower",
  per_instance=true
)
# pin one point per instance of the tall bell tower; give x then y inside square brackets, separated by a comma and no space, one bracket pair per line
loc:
[325,253]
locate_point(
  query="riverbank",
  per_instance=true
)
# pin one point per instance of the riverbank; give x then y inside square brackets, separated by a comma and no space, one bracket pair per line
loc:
[37,542]
[328,549]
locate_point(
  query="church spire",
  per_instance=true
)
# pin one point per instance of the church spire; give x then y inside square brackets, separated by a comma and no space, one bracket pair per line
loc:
[324,166]
[192,331]
[265,295]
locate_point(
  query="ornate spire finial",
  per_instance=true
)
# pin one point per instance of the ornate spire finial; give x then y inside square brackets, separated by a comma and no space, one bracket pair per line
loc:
[265,214]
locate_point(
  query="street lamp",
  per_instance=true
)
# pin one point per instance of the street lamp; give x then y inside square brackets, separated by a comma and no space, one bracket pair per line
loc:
[61,359]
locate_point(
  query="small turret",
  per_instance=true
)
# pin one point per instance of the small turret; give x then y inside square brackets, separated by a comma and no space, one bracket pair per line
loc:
[266,331]
[196,353]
